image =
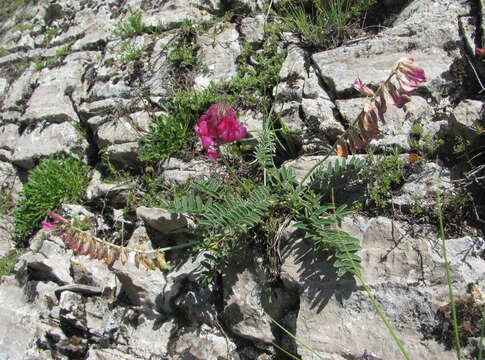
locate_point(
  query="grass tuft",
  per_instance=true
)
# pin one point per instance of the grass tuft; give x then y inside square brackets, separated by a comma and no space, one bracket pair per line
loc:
[52,183]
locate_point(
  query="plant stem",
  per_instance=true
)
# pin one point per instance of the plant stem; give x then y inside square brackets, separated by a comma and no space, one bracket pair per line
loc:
[232,172]
[332,150]
[454,321]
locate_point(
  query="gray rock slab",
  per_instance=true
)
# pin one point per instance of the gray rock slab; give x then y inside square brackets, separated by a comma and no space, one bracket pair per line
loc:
[51,262]
[201,343]
[54,139]
[163,220]
[128,128]
[172,14]
[142,287]
[17,317]
[6,234]
[177,171]
[252,28]
[397,125]
[465,118]
[243,311]
[9,135]
[219,55]
[19,92]
[372,59]
[421,187]
[337,318]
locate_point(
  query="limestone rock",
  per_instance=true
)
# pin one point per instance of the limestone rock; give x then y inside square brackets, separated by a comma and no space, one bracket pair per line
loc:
[72,309]
[421,187]
[51,262]
[8,137]
[115,194]
[243,310]
[177,171]
[466,117]
[17,317]
[252,28]
[129,128]
[332,313]
[396,129]
[163,220]
[219,54]
[372,59]
[200,343]
[6,231]
[172,14]
[54,139]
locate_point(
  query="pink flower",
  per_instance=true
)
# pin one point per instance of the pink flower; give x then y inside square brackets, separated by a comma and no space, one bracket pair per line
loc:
[218,126]
[48,226]
[362,88]
[213,154]
[409,75]
[398,97]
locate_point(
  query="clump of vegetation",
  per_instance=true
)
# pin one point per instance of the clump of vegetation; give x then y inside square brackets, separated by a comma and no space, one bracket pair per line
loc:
[131,27]
[52,183]
[7,262]
[384,174]
[322,23]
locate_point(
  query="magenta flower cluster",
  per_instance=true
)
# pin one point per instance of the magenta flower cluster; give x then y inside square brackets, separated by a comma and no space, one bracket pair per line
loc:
[219,126]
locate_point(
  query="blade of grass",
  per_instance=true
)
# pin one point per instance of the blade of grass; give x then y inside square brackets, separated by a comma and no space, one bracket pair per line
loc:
[285,352]
[294,337]
[454,321]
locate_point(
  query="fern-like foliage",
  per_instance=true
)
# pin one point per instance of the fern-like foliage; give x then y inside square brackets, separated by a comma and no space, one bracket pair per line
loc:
[265,150]
[320,223]
[335,174]
[196,201]
[236,215]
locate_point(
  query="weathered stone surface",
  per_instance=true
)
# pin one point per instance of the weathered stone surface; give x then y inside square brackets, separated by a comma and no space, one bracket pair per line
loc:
[294,64]
[124,155]
[122,130]
[243,310]
[115,194]
[8,137]
[332,313]
[20,91]
[54,139]
[372,59]
[465,118]
[6,234]
[17,317]
[200,343]
[252,28]
[142,287]
[163,220]
[50,262]
[219,54]
[72,309]
[172,14]
[421,187]
[177,171]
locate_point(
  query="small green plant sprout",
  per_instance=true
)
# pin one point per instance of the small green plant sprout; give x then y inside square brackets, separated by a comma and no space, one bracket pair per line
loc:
[131,27]
[7,262]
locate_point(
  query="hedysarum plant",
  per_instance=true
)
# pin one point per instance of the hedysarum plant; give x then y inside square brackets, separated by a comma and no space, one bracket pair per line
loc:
[83,243]
[408,76]
[219,126]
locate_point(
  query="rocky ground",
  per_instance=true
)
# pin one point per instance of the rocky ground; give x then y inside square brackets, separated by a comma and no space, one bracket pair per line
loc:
[86,100]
